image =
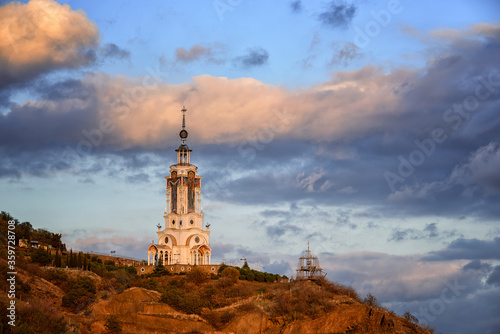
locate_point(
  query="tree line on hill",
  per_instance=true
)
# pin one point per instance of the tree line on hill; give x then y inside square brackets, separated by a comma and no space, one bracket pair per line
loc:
[26,231]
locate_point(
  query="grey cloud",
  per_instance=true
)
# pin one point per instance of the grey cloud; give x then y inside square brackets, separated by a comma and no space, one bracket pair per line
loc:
[430,231]
[129,246]
[87,180]
[138,178]
[477,265]
[44,124]
[221,248]
[20,77]
[278,267]
[481,170]
[64,89]
[468,249]
[398,235]
[278,231]
[338,14]
[494,278]
[481,315]
[256,56]
[271,177]
[343,218]
[252,256]
[296,6]
[345,53]
[111,50]
[274,213]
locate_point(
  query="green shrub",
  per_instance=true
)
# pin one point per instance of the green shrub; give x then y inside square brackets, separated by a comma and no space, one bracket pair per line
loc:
[230,276]
[150,284]
[188,303]
[197,276]
[81,293]
[270,278]
[109,263]
[160,270]
[131,270]
[41,256]
[111,268]
[221,268]
[260,277]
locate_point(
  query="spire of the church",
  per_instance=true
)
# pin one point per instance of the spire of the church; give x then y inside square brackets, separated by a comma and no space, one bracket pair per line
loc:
[183,134]
[183,152]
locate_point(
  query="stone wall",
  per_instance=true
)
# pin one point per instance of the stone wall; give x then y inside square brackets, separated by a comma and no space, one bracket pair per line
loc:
[178,268]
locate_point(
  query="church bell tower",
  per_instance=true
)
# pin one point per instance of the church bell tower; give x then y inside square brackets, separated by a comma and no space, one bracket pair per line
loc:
[183,239]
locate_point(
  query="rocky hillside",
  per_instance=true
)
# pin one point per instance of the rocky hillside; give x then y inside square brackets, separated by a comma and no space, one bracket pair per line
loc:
[53,300]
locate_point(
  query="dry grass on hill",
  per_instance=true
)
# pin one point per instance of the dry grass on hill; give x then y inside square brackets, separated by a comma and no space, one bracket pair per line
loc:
[72,301]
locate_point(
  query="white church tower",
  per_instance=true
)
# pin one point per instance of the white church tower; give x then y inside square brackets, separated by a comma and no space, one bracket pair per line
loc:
[183,240]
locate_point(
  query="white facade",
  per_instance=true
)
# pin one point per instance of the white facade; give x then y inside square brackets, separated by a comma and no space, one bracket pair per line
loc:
[183,239]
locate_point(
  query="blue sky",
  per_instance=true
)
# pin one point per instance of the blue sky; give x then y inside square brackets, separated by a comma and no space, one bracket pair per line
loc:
[369,128]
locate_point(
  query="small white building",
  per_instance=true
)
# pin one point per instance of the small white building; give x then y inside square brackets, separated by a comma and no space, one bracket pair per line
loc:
[183,239]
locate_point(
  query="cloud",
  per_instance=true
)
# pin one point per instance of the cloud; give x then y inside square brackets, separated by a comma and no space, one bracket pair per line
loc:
[111,50]
[42,36]
[468,249]
[430,231]
[138,178]
[221,248]
[212,54]
[123,245]
[345,53]
[357,104]
[296,6]
[392,277]
[308,181]
[278,267]
[338,14]
[194,53]
[69,108]
[309,142]
[480,171]
[275,232]
[494,278]
[254,57]
[477,265]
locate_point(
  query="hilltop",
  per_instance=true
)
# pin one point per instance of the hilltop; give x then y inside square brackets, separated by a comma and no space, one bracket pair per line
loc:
[111,299]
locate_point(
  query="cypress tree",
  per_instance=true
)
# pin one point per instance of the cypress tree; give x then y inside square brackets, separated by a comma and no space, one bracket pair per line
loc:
[57,260]
[71,262]
[88,262]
